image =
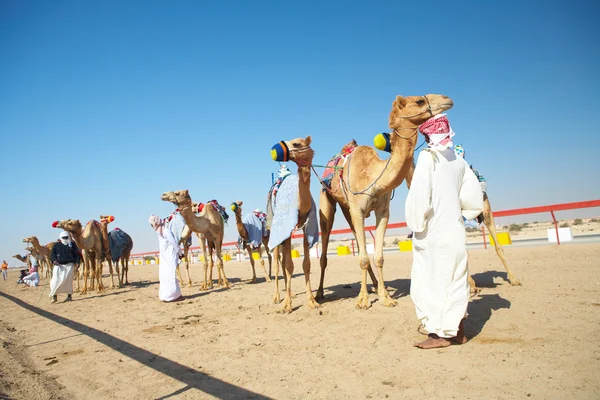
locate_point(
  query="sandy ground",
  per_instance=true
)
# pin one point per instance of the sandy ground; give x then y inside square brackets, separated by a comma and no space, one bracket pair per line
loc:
[533,341]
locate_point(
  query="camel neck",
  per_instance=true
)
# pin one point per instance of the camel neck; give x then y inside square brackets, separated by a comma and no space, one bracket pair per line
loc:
[304,196]
[240,226]
[196,223]
[402,145]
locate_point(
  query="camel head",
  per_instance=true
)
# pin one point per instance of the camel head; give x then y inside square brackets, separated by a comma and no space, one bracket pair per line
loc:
[414,110]
[179,198]
[73,226]
[106,219]
[236,207]
[297,150]
[29,239]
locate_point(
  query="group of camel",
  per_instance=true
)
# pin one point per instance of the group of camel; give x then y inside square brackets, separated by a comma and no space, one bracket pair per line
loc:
[94,246]
[363,185]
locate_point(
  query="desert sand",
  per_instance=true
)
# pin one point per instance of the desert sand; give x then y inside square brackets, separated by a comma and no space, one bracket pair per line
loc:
[532,341]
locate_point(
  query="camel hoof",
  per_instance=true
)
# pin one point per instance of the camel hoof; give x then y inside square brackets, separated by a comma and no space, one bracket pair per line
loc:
[320,296]
[363,302]
[253,280]
[389,302]
[312,304]
[515,282]
[226,285]
[276,299]
[287,308]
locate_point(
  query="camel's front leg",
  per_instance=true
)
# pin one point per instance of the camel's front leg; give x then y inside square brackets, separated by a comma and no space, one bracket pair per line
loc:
[382,222]
[269,256]
[99,275]
[262,263]
[288,264]
[488,220]
[220,265]
[86,271]
[277,297]
[249,250]
[110,270]
[310,299]
[326,217]
[206,285]
[359,225]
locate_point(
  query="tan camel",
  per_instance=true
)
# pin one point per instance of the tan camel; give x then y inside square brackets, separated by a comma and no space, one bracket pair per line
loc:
[42,254]
[237,209]
[488,220]
[208,223]
[89,241]
[106,254]
[302,154]
[23,259]
[366,182]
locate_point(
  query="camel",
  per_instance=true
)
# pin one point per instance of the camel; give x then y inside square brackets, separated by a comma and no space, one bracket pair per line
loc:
[209,224]
[123,257]
[23,259]
[89,241]
[42,254]
[300,152]
[106,253]
[488,220]
[365,185]
[236,207]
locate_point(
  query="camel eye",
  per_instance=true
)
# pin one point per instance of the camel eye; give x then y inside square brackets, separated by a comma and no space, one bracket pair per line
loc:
[420,102]
[296,144]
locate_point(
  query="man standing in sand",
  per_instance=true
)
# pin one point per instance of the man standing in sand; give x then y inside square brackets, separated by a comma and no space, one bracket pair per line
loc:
[4,270]
[64,256]
[443,190]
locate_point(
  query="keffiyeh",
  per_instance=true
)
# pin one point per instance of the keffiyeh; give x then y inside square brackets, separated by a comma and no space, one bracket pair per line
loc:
[439,132]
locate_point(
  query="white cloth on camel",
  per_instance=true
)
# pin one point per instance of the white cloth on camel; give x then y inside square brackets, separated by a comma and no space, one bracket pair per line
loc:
[168,289]
[62,279]
[443,190]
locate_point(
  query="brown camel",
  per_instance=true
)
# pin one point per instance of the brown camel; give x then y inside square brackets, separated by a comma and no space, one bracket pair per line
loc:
[23,259]
[209,224]
[124,256]
[237,209]
[302,154]
[488,220]
[366,182]
[42,254]
[106,254]
[89,241]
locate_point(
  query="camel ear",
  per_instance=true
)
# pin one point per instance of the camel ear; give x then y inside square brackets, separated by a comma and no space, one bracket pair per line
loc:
[240,203]
[308,139]
[400,102]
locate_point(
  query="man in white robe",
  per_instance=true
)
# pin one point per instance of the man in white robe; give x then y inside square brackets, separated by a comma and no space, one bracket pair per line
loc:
[170,253]
[443,190]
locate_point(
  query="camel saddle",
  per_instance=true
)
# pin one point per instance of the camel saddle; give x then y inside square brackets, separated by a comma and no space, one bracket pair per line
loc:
[333,164]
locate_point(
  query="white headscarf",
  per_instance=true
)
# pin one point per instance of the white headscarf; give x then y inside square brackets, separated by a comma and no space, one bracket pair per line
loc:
[66,241]
[157,224]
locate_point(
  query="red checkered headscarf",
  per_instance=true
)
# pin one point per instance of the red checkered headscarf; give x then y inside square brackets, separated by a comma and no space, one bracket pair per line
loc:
[439,131]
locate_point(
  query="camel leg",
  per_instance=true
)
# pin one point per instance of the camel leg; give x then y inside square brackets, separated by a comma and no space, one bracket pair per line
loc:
[310,299]
[226,283]
[288,264]
[118,272]
[381,222]
[488,220]
[348,218]
[276,298]
[85,272]
[262,264]
[99,275]
[249,250]
[359,225]
[269,256]
[326,217]
[110,270]
[187,264]
[125,265]
[205,285]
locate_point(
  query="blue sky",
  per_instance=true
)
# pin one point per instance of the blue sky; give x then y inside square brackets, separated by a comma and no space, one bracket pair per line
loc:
[104,105]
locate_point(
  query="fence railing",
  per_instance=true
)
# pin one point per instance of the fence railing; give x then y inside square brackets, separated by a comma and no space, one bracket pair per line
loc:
[497,214]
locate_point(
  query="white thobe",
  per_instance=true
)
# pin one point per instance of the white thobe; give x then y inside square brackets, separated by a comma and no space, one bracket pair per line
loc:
[168,289]
[62,279]
[33,279]
[443,190]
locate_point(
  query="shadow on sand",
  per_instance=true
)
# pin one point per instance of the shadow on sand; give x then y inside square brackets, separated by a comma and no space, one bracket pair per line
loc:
[486,279]
[480,311]
[192,378]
